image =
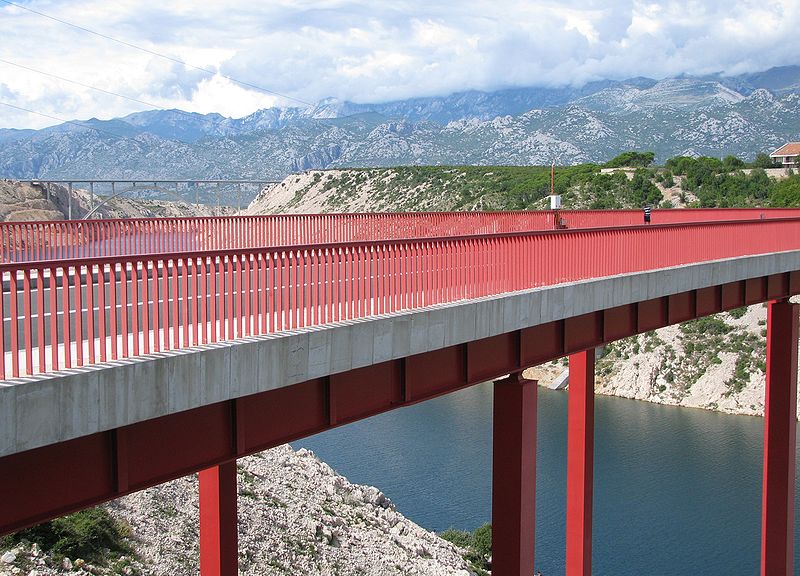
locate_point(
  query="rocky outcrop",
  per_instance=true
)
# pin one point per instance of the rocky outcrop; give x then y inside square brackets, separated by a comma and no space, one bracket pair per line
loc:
[317,159]
[26,559]
[296,516]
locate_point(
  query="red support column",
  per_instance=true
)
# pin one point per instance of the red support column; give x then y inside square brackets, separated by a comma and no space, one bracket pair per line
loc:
[514,476]
[580,463]
[780,422]
[219,553]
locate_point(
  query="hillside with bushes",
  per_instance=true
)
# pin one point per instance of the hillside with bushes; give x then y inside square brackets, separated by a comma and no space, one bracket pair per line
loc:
[627,181]
[714,363]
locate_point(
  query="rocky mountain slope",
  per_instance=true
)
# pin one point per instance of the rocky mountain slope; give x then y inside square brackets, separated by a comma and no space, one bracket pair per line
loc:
[25,201]
[714,116]
[296,516]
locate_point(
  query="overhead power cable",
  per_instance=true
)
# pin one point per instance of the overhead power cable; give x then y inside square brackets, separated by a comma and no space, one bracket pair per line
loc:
[131,98]
[43,73]
[158,54]
[74,122]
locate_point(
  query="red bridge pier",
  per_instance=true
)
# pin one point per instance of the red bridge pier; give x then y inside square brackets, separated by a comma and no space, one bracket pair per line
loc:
[219,548]
[780,424]
[514,476]
[580,462]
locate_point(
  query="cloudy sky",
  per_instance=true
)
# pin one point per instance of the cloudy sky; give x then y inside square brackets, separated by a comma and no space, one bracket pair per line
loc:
[362,51]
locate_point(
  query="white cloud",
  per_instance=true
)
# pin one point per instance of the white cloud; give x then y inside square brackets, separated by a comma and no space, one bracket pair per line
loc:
[366,51]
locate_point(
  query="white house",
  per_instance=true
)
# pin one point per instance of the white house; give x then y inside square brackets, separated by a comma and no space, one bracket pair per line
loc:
[786,154]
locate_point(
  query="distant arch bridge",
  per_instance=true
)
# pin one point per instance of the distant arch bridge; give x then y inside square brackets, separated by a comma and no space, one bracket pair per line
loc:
[191,191]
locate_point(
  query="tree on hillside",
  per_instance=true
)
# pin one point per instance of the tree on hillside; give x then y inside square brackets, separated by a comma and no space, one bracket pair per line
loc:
[733,163]
[642,192]
[786,193]
[631,160]
[762,161]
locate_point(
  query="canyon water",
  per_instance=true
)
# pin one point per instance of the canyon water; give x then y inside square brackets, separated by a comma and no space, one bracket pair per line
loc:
[677,490]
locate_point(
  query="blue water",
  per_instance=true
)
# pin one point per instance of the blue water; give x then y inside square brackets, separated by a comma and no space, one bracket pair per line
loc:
[677,490]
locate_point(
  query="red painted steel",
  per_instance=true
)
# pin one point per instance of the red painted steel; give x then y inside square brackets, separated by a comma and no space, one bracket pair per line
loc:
[219,553]
[514,476]
[40,484]
[580,463]
[58,240]
[357,279]
[780,424]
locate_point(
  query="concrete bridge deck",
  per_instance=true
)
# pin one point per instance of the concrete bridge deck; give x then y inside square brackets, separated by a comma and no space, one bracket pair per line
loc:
[51,408]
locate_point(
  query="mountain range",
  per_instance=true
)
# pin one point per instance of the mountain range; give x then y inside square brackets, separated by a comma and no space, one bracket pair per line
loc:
[713,115]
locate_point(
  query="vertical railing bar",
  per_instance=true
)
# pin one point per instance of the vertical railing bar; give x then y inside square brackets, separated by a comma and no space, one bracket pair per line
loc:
[146,305]
[90,312]
[123,296]
[65,319]
[101,309]
[78,315]
[27,325]
[213,297]
[175,304]
[135,305]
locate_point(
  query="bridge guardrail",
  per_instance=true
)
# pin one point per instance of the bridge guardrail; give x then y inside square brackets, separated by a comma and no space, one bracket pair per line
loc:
[65,239]
[147,303]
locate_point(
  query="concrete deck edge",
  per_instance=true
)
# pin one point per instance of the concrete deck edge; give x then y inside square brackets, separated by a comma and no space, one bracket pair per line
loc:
[51,408]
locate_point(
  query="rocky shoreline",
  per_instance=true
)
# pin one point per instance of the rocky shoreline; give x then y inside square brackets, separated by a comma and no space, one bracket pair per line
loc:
[715,363]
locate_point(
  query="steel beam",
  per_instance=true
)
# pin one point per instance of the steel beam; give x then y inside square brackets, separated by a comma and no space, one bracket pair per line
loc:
[219,554]
[514,476]
[780,423]
[580,462]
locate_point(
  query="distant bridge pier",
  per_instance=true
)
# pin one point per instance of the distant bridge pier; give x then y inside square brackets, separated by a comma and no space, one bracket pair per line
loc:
[219,548]
[580,462]
[780,424]
[514,476]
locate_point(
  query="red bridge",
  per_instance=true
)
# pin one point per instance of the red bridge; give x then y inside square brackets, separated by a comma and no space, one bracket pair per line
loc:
[138,351]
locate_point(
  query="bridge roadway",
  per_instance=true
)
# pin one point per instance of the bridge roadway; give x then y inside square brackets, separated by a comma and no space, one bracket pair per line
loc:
[371,327]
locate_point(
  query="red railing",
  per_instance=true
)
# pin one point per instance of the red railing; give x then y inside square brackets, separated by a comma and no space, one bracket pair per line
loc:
[29,241]
[60,240]
[147,303]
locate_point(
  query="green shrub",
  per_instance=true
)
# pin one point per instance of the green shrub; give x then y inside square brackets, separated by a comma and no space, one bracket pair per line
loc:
[738,312]
[460,538]
[483,540]
[478,546]
[631,159]
[92,534]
